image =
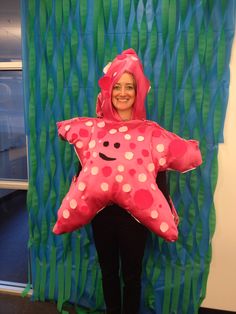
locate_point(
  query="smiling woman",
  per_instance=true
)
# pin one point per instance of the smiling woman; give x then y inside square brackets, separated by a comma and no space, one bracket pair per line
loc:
[123,96]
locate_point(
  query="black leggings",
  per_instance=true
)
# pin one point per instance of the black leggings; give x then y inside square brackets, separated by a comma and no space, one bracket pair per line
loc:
[120,240]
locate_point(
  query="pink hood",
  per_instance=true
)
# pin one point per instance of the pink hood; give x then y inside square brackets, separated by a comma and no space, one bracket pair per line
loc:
[127,61]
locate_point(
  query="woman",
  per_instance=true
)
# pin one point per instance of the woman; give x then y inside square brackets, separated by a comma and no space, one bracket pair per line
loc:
[119,238]
[121,152]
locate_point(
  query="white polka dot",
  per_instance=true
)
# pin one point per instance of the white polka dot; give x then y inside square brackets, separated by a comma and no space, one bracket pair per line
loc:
[129,155]
[142,177]
[114,74]
[95,154]
[104,187]
[92,144]
[67,127]
[94,171]
[85,169]
[73,204]
[153,187]
[140,138]
[164,227]
[81,186]
[120,168]
[134,58]
[112,131]
[79,144]
[119,178]
[162,161]
[151,167]
[160,148]
[126,188]
[89,123]
[127,136]
[154,214]
[106,68]
[66,214]
[123,129]
[101,124]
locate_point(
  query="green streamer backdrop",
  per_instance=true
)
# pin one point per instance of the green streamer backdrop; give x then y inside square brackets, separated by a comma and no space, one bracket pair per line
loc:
[185,48]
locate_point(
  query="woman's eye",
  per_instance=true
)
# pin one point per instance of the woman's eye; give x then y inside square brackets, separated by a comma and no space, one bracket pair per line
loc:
[116,87]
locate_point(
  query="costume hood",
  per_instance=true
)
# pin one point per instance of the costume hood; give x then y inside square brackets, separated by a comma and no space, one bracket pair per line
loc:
[127,61]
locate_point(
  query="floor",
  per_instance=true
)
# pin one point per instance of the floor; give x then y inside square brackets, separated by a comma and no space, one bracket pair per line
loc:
[12,304]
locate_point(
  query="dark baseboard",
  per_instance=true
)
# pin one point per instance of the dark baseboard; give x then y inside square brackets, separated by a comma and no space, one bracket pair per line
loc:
[204,310]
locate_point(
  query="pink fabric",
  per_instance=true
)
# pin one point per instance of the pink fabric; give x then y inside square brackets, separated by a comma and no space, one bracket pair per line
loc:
[120,160]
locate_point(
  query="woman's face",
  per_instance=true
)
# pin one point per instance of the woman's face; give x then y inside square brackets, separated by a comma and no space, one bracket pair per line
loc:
[123,96]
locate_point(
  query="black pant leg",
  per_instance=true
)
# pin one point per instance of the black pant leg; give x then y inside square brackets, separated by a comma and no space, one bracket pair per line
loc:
[132,241]
[106,242]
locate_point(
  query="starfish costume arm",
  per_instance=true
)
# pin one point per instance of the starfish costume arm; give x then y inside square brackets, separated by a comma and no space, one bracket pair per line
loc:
[172,152]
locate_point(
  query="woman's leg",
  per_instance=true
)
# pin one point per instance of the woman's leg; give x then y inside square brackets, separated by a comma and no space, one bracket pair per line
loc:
[104,232]
[132,241]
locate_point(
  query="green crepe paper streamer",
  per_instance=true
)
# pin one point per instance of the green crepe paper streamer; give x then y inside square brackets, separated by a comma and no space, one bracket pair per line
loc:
[100,38]
[52,129]
[99,291]
[77,259]
[150,100]
[75,86]
[176,288]
[37,280]
[217,118]
[48,5]
[84,269]
[186,288]
[32,116]
[60,77]
[168,285]
[191,215]
[199,96]
[214,172]
[67,107]
[58,17]
[66,12]
[191,40]
[127,8]
[52,273]
[180,61]
[44,231]
[93,279]
[61,279]
[42,19]
[84,66]
[73,45]
[67,61]
[43,84]
[143,35]
[153,42]
[161,92]
[68,274]
[202,44]
[83,13]
[168,107]
[114,11]
[149,296]
[50,91]
[73,4]
[33,161]
[52,165]
[106,11]
[42,141]
[164,19]
[209,48]
[183,6]
[177,120]
[172,23]
[49,46]
[32,63]
[195,278]
[206,103]
[187,96]
[43,279]
[135,36]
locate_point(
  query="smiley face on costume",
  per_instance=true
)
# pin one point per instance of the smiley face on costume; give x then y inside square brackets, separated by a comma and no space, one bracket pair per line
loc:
[105,157]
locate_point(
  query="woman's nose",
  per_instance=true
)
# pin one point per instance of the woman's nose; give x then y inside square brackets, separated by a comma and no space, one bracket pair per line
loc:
[122,91]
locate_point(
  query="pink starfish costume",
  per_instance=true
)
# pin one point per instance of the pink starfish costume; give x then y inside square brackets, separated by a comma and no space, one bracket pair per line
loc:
[120,159]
